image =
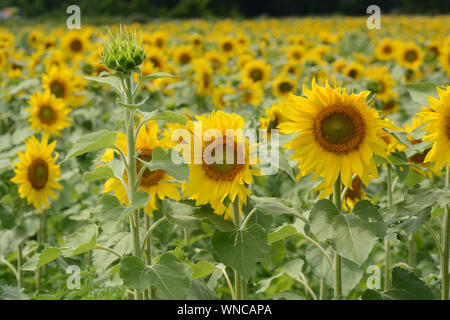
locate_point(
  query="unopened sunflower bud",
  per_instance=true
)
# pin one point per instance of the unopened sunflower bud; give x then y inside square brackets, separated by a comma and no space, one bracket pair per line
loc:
[123,52]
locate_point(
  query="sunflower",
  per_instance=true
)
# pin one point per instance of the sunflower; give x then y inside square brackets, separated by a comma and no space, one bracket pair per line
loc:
[157,59]
[444,58]
[156,183]
[212,182]
[159,39]
[16,65]
[218,62]
[59,81]
[354,194]
[75,43]
[203,76]
[34,38]
[183,55]
[36,172]
[410,56]
[274,117]
[56,58]
[282,86]
[438,128]
[354,70]
[3,60]
[385,49]
[227,46]
[220,96]
[196,41]
[48,113]
[292,68]
[381,83]
[337,134]
[256,71]
[296,53]
[251,93]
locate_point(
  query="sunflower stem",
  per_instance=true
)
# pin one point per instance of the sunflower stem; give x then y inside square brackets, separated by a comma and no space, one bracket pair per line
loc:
[337,257]
[41,236]
[237,277]
[387,244]
[131,172]
[19,266]
[446,244]
[148,249]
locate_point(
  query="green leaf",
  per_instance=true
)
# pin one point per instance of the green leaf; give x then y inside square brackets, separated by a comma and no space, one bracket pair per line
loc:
[41,258]
[157,75]
[421,91]
[242,249]
[111,79]
[99,173]
[110,213]
[202,269]
[168,116]
[219,222]
[171,277]
[351,235]
[81,241]
[287,230]
[91,142]
[181,214]
[12,293]
[272,206]
[405,286]
[162,160]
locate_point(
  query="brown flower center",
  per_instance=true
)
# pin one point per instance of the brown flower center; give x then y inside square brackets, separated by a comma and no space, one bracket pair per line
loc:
[339,129]
[149,178]
[76,46]
[256,74]
[224,171]
[411,55]
[285,87]
[185,58]
[38,173]
[57,88]
[47,115]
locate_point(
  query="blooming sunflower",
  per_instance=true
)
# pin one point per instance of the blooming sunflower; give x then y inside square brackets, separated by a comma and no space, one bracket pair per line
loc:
[155,183]
[381,83]
[256,71]
[354,70]
[211,182]
[203,76]
[410,56]
[444,58]
[438,128]
[251,93]
[75,43]
[58,82]
[36,172]
[227,46]
[296,53]
[219,96]
[337,134]
[354,194]
[274,117]
[282,86]
[48,113]
[183,55]
[218,62]
[385,49]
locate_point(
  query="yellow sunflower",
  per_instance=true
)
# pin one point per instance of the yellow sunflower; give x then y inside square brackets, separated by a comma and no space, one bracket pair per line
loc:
[337,134]
[410,56]
[183,55]
[385,49]
[218,62]
[36,172]
[274,117]
[203,76]
[251,93]
[48,113]
[283,85]
[227,46]
[296,53]
[444,58]
[381,83]
[63,84]
[438,128]
[354,194]
[219,96]
[75,43]
[212,182]
[256,71]
[155,183]
[354,70]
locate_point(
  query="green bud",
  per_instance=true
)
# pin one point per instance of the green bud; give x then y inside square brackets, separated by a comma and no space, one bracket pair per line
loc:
[122,52]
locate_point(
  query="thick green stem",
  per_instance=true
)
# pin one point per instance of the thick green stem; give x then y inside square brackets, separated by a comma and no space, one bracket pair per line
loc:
[131,172]
[411,257]
[148,249]
[41,237]
[337,257]
[237,277]
[19,266]
[387,244]
[446,244]
[322,289]
[187,237]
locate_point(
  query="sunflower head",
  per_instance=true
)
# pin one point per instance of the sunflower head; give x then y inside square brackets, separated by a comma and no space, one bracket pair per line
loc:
[36,172]
[336,134]
[122,52]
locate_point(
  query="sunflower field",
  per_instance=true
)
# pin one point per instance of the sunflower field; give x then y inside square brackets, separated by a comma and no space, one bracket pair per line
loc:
[282,159]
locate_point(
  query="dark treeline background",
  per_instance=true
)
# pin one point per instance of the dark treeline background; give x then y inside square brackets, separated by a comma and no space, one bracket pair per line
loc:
[142,9]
